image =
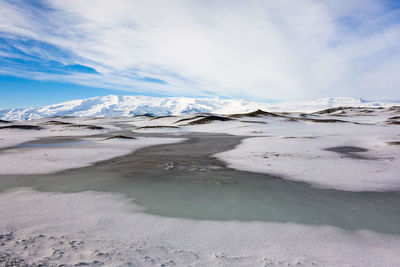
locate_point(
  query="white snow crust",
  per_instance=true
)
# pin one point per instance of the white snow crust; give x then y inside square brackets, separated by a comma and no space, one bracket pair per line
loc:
[304,159]
[42,160]
[91,228]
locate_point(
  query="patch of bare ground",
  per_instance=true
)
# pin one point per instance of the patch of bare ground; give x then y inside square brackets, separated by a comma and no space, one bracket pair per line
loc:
[318,120]
[331,110]
[260,122]
[291,120]
[303,137]
[326,120]
[346,149]
[394,143]
[395,108]
[22,127]
[119,137]
[192,118]
[66,117]
[393,122]
[341,111]
[4,121]
[157,126]
[209,119]
[367,111]
[85,126]
[351,152]
[143,115]
[255,114]
[56,123]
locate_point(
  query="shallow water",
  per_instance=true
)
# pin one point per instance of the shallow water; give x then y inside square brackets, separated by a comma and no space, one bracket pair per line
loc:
[182,180]
[51,143]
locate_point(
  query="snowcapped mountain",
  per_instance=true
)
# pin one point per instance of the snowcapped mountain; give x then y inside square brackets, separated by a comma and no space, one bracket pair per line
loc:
[331,102]
[139,105]
[340,100]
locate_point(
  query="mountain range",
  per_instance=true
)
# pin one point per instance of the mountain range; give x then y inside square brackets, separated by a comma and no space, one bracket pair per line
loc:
[117,105]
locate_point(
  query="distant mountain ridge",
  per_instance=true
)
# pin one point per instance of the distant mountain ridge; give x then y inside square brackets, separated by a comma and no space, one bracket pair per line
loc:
[337,100]
[114,105]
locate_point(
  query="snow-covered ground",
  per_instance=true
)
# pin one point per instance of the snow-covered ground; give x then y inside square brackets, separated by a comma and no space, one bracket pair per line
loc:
[93,229]
[81,149]
[302,147]
[295,146]
[344,149]
[138,105]
[12,137]
[84,152]
[304,158]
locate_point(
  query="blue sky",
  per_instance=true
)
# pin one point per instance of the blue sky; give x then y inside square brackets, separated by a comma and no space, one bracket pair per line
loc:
[22,92]
[53,50]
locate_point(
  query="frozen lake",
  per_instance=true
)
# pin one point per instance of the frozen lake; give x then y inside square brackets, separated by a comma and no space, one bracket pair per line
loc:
[183,180]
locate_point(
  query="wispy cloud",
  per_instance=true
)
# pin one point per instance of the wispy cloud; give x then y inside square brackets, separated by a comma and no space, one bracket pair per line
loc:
[248,49]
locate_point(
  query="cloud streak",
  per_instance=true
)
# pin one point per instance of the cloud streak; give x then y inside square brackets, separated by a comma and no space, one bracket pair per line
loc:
[287,50]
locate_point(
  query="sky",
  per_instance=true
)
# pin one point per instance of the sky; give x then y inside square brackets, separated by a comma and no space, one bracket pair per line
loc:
[259,50]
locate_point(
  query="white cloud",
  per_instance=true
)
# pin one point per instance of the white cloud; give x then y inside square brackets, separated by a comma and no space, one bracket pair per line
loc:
[253,49]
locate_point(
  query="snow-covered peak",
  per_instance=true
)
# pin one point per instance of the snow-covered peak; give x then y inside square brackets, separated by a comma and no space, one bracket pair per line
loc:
[114,105]
[341,100]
